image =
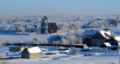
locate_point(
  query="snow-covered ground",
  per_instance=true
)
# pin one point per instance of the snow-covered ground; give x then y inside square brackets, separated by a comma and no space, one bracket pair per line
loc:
[23,38]
[98,57]
[70,60]
[72,28]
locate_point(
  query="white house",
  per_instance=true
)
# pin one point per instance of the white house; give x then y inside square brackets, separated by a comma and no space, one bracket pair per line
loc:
[31,53]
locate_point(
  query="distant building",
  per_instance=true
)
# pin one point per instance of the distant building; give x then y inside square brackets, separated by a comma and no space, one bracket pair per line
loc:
[14,48]
[52,28]
[47,27]
[44,23]
[118,18]
[99,18]
[113,22]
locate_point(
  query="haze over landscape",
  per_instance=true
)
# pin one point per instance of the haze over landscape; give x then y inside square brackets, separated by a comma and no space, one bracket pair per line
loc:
[36,7]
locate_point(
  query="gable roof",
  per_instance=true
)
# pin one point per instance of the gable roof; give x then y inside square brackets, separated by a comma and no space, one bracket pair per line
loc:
[101,33]
[89,33]
[34,50]
[105,34]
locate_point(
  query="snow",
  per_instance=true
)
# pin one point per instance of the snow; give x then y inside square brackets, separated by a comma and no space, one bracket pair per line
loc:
[117,38]
[34,50]
[69,25]
[107,44]
[105,32]
[23,38]
[78,60]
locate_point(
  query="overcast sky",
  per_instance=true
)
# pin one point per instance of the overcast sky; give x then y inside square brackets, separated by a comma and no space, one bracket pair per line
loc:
[33,7]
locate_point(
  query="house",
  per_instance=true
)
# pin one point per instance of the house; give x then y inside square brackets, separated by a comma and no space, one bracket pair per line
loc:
[99,38]
[31,53]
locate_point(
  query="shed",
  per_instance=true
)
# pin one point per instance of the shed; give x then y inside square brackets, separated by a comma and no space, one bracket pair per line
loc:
[14,48]
[31,53]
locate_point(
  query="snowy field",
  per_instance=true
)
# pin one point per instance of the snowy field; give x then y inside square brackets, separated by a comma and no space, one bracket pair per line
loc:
[74,60]
[71,30]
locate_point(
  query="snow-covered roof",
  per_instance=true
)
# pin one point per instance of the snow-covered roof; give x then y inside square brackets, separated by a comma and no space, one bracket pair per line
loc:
[117,38]
[107,44]
[105,34]
[34,50]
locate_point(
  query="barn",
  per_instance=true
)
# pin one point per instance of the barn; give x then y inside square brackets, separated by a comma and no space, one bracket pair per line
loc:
[52,27]
[99,38]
